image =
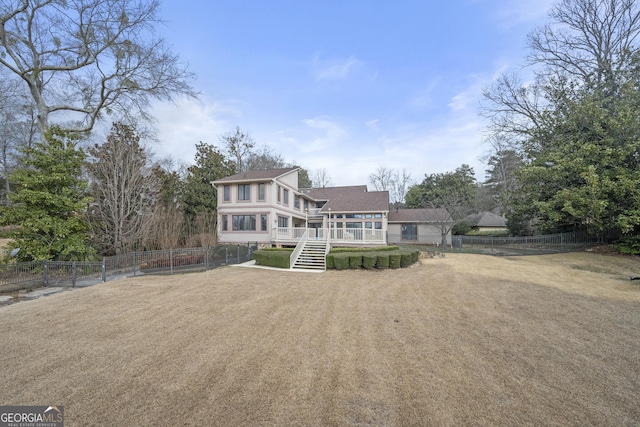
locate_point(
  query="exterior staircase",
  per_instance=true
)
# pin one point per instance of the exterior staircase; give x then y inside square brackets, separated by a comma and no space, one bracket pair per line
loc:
[312,256]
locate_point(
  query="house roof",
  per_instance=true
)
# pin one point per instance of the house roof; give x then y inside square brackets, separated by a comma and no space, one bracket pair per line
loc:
[486,219]
[354,198]
[255,175]
[418,215]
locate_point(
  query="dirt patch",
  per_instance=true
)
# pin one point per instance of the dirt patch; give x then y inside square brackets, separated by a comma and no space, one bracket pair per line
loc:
[467,339]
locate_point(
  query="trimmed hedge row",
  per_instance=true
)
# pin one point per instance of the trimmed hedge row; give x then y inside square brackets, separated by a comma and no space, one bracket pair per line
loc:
[345,258]
[370,260]
[278,258]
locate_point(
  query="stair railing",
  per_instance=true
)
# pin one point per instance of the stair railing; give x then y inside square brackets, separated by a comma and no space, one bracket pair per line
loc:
[296,252]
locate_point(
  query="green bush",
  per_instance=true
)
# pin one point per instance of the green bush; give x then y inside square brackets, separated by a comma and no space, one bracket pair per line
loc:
[394,260]
[382,261]
[355,261]
[369,260]
[330,264]
[415,256]
[406,259]
[629,246]
[278,258]
[341,261]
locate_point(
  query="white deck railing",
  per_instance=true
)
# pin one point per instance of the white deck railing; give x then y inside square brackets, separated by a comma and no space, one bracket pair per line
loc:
[296,252]
[337,235]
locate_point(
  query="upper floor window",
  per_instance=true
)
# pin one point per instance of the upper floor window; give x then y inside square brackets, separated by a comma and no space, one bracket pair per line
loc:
[285,196]
[279,196]
[261,191]
[296,201]
[244,192]
[227,193]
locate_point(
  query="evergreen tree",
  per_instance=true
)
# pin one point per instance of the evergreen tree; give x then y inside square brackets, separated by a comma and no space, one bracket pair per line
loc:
[50,201]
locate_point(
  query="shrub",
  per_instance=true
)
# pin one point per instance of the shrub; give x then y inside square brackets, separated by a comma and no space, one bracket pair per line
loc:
[382,261]
[341,261]
[629,246]
[355,261]
[273,258]
[406,259]
[377,249]
[369,260]
[415,256]
[394,260]
[330,263]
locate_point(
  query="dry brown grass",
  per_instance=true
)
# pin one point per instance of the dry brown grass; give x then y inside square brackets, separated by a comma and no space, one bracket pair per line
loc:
[465,340]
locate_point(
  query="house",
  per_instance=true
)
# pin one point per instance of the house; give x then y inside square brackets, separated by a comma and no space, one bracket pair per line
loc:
[486,221]
[419,226]
[267,207]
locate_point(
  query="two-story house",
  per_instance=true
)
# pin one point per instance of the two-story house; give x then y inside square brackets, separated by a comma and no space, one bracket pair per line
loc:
[267,207]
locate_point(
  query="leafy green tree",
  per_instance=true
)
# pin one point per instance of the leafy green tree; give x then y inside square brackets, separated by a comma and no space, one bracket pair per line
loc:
[588,174]
[200,199]
[452,196]
[578,123]
[50,201]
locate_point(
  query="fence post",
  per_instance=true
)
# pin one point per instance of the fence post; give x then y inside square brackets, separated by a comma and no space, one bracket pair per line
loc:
[74,271]
[134,263]
[45,272]
[104,269]
[170,261]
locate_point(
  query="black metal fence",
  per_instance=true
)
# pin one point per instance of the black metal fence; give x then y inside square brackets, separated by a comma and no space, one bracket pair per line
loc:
[526,245]
[71,274]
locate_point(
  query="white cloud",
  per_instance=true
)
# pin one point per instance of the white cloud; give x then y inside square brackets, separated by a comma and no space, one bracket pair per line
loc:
[338,68]
[183,124]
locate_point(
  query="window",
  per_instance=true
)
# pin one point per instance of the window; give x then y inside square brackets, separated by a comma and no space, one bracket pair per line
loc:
[279,197]
[409,231]
[367,216]
[244,192]
[285,196]
[296,202]
[283,222]
[243,222]
[368,225]
[354,215]
[377,216]
[354,225]
[261,191]
[227,193]
[263,222]
[378,225]
[225,223]
[338,225]
[306,204]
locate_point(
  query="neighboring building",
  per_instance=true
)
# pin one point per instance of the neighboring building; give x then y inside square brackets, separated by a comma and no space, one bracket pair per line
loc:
[267,207]
[486,221]
[418,226]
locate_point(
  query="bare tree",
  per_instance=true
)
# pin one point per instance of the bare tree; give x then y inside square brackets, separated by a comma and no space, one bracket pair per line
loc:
[382,179]
[84,58]
[125,190]
[239,146]
[588,44]
[264,159]
[321,178]
[401,182]
[17,127]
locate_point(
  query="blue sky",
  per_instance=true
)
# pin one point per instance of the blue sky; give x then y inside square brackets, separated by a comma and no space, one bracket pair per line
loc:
[344,85]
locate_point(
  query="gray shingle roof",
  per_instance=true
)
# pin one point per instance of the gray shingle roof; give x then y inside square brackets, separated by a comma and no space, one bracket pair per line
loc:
[256,175]
[354,198]
[418,215]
